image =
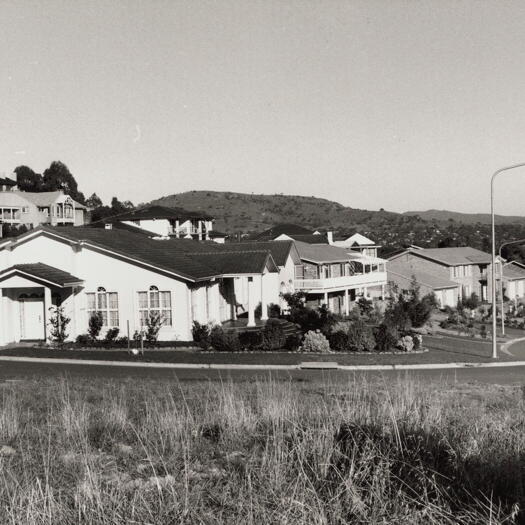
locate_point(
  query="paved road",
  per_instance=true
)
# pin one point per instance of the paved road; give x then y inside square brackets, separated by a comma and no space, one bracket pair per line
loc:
[13,370]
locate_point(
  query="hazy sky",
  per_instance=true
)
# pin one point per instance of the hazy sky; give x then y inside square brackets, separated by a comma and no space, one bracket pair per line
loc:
[393,104]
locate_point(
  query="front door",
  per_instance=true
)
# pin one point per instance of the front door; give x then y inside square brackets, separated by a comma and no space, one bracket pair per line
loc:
[32,319]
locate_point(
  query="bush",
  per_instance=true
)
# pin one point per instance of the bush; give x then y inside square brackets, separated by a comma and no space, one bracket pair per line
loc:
[83,339]
[405,344]
[153,326]
[274,311]
[386,337]
[250,340]
[471,302]
[360,337]
[338,341]
[418,341]
[201,335]
[223,341]
[58,321]
[315,341]
[293,342]
[111,335]
[366,307]
[95,325]
[273,336]
[483,331]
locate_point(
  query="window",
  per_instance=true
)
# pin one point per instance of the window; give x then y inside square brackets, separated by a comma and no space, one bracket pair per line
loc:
[154,302]
[106,303]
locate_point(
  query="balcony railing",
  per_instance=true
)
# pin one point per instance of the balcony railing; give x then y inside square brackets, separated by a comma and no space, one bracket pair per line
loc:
[346,281]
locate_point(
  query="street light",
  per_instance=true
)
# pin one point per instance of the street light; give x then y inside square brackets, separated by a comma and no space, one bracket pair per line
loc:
[494,175]
[501,265]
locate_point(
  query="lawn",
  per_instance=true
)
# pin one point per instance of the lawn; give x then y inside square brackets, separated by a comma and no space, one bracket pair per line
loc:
[441,350]
[163,452]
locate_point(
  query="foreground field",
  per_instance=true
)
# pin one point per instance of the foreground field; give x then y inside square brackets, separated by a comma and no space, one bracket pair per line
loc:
[263,451]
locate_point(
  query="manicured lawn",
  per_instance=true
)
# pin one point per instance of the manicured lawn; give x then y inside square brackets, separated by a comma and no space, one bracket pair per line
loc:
[441,350]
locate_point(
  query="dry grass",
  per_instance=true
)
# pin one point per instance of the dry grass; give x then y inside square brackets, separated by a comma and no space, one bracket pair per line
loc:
[260,452]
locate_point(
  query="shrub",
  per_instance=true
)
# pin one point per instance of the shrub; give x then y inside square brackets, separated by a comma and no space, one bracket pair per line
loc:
[274,311]
[58,321]
[95,325]
[122,341]
[418,341]
[250,340]
[366,306]
[111,335]
[315,341]
[273,336]
[471,302]
[293,342]
[201,334]
[406,343]
[83,339]
[153,325]
[483,331]
[339,341]
[386,337]
[224,341]
[360,337]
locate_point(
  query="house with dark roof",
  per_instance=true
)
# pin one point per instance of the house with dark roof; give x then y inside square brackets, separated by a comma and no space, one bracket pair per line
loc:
[128,277]
[467,267]
[7,184]
[31,209]
[165,222]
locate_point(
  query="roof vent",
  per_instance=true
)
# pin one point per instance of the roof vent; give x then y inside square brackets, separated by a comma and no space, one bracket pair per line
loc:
[108,226]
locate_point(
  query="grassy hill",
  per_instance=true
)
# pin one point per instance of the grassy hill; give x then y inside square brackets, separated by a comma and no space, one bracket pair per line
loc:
[465,218]
[255,212]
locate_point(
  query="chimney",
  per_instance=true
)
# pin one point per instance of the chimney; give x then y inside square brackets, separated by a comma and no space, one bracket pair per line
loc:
[330,237]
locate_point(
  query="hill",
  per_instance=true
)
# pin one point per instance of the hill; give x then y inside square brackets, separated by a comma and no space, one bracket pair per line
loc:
[256,212]
[465,218]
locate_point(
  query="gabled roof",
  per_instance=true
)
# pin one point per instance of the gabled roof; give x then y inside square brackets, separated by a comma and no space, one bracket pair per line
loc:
[184,258]
[7,182]
[160,212]
[455,256]
[310,238]
[322,253]
[423,278]
[42,272]
[278,229]
[513,272]
[46,198]
[359,240]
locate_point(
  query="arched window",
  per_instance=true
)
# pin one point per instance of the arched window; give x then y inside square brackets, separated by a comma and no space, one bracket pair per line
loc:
[106,303]
[155,302]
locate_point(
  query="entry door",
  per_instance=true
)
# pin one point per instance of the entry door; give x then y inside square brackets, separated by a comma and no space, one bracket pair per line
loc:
[32,319]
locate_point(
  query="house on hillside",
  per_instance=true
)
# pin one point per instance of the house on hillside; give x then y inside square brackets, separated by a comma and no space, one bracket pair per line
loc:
[31,209]
[126,276]
[358,243]
[467,267]
[8,184]
[162,221]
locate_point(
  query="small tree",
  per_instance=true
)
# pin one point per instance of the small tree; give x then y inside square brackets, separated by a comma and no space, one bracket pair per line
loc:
[366,306]
[95,324]
[360,337]
[58,321]
[153,324]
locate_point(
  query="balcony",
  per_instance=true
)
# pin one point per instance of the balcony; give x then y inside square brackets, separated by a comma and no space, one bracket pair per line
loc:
[340,283]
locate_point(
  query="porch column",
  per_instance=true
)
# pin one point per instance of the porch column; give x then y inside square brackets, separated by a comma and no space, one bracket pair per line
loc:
[251,305]
[47,306]
[177,226]
[365,291]
[347,300]
[326,299]
[382,292]
[3,319]
[264,305]
[199,229]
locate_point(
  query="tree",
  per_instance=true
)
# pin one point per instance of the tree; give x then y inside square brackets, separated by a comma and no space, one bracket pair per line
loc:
[58,177]
[58,321]
[94,201]
[28,180]
[120,207]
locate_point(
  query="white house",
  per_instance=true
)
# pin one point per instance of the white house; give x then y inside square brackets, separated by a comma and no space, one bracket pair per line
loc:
[358,243]
[125,276]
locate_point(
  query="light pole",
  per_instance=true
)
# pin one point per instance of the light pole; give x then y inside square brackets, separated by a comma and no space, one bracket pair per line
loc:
[494,175]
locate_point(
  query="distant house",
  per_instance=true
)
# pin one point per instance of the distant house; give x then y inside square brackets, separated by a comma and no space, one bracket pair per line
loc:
[358,243]
[287,229]
[514,280]
[31,209]
[8,184]
[164,222]
[467,267]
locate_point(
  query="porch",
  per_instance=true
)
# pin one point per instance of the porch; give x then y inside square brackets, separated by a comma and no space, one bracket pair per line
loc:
[27,292]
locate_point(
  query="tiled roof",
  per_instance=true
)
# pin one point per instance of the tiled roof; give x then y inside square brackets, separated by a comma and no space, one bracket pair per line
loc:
[513,272]
[321,253]
[427,279]
[160,212]
[191,260]
[43,272]
[453,256]
[7,182]
[279,229]
[119,226]
[310,238]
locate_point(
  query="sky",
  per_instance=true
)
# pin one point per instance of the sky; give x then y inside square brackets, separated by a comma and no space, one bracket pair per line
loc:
[402,105]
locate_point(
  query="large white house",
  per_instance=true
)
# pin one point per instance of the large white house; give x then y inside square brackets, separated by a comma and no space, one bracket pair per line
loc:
[126,276]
